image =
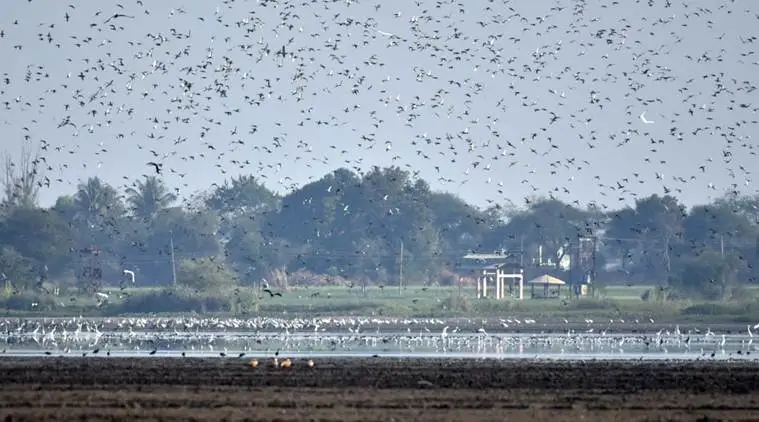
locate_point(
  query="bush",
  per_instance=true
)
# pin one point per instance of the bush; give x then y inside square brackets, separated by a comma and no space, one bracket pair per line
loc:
[448,278]
[205,274]
[659,294]
[31,301]
[589,304]
[174,301]
[748,309]
[455,302]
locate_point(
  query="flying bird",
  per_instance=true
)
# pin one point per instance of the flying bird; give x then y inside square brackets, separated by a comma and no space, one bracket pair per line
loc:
[272,294]
[644,120]
[158,166]
[118,15]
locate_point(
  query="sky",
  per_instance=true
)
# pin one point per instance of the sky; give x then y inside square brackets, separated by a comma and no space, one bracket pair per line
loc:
[493,101]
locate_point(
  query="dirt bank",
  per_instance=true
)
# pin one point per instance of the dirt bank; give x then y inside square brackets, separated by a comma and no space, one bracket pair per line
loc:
[373,389]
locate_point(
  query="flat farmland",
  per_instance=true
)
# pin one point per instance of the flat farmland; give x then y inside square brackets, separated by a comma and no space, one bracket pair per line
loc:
[378,389]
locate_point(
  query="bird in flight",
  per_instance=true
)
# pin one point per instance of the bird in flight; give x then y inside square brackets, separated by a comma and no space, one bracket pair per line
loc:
[644,120]
[118,15]
[272,294]
[157,166]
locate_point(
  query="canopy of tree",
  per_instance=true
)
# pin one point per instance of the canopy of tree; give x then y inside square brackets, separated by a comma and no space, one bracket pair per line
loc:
[351,227]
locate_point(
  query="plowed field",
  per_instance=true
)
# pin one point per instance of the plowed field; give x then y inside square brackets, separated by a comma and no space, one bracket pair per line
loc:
[184,389]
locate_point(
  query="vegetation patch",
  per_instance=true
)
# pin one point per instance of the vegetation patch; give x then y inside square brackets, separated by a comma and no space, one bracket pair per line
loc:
[379,243]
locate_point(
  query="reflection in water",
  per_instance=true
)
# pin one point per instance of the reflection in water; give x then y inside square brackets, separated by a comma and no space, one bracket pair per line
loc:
[423,343]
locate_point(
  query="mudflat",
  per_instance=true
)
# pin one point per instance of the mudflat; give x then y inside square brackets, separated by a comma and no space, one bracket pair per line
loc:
[374,389]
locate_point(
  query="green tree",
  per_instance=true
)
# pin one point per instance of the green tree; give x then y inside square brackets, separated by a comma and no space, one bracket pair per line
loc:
[97,204]
[709,275]
[148,197]
[649,236]
[314,223]
[242,196]
[744,205]
[717,226]
[549,224]
[462,226]
[391,207]
[193,233]
[40,236]
[16,268]
[207,274]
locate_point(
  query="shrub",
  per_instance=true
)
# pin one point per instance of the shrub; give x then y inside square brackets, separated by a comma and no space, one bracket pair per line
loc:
[588,304]
[448,278]
[30,301]
[455,302]
[172,301]
[205,274]
[721,309]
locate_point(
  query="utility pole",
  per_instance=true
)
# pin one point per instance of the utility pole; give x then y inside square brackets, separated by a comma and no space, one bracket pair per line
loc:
[722,253]
[573,286]
[173,261]
[400,272]
[722,244]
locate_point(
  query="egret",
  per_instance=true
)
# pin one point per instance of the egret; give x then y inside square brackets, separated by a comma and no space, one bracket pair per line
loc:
[644,120]
[130,274]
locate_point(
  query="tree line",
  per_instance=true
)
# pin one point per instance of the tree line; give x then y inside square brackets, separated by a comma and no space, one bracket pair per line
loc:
[349,227]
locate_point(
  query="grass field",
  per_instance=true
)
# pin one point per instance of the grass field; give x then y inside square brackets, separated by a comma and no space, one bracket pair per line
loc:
[306,295]
[613,301]
[418,294]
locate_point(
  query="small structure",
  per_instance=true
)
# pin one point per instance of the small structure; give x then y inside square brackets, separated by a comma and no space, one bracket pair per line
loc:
[496,268]
[91,275]
[551,285]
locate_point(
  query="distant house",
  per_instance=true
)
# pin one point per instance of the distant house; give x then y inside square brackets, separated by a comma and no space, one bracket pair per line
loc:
[561,258]
[501,269]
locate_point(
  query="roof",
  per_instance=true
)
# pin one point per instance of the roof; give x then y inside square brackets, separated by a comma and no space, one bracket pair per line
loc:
[488,256]
[547,279]
[508,268]
[481,266]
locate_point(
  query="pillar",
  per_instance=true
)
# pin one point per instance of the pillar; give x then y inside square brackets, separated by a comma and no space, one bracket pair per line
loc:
[521,286]
[479,287]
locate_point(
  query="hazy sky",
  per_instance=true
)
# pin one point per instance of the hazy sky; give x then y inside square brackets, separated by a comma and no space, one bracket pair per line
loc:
[490,100]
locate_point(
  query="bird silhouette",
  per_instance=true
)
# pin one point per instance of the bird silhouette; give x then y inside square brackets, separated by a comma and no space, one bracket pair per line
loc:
[272,294]
[156,166]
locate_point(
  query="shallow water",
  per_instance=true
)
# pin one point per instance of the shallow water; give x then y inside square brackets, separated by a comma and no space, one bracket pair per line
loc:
[421,344]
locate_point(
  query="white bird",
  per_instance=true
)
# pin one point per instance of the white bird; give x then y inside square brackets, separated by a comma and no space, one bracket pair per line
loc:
[644,120]
[130,274]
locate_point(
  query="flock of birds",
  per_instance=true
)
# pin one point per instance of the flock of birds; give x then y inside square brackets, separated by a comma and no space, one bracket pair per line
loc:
[268,337]
[556,94]
[532,97]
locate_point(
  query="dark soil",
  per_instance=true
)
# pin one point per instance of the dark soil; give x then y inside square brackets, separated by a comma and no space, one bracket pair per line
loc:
[381,389]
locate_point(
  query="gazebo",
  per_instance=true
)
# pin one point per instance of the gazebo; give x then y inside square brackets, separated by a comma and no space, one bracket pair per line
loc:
[549,283]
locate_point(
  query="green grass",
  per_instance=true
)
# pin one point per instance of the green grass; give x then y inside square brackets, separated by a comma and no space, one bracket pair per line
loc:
[618,292]
[617,301]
